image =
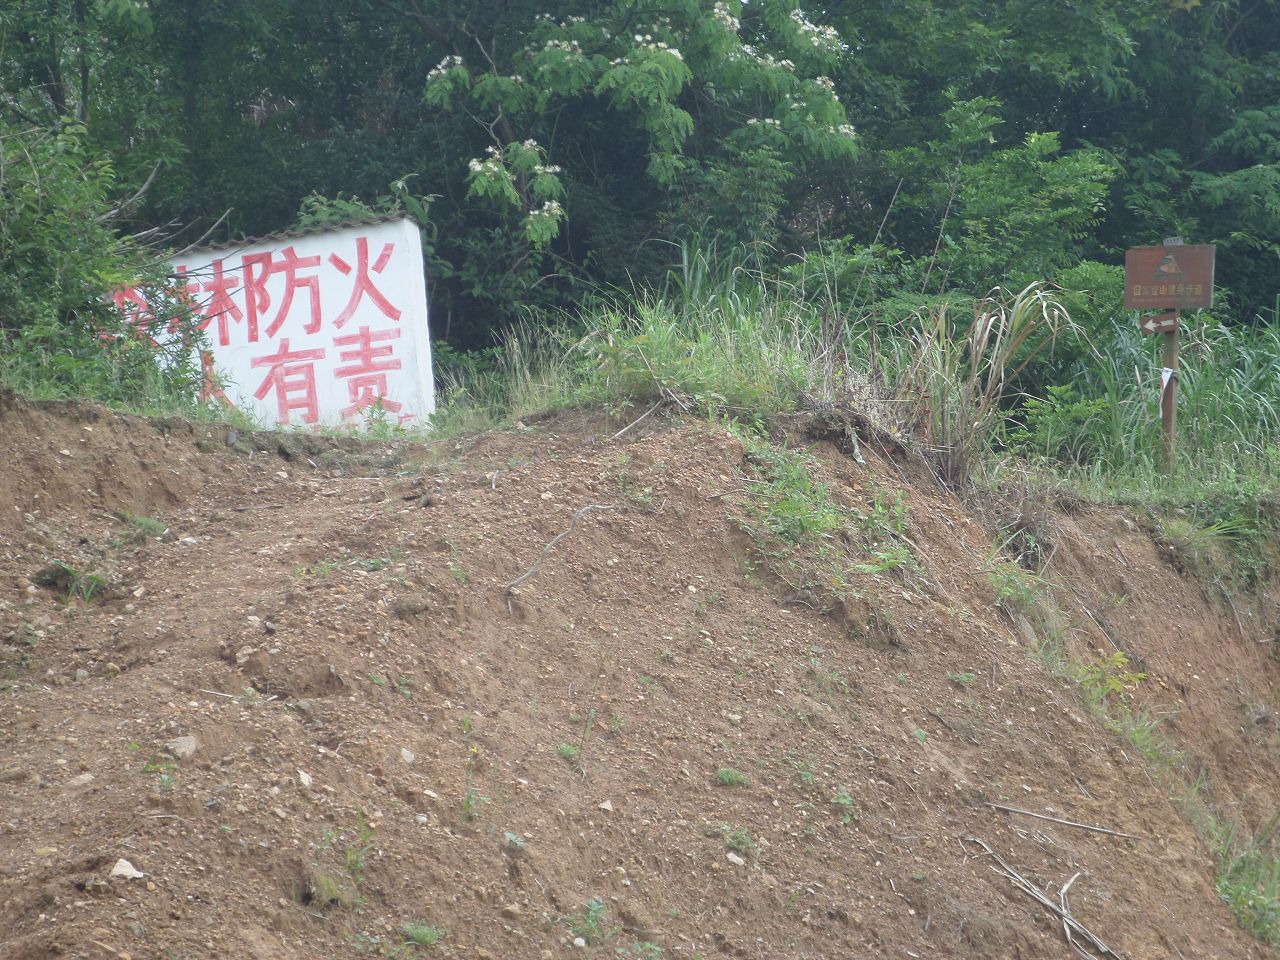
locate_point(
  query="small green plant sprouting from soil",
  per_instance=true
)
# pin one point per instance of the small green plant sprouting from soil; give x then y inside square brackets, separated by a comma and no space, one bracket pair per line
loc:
[962,679]
[72,582]
[738,839]
[592,923]
[641,498]
[1109,678]
[920,735]
[1017,591]
[471,802]
[420,934]
[729,777]
[320,569]
[805,774]
[140,530]
[459,575]
[568,752]
[164,771]
[787,504]
[844,802]
[374,564]
[884,528]
[357,853]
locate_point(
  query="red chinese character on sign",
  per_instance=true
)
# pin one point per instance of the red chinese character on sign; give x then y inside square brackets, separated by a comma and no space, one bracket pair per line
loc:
[292,375]
[364,284]
[221,306]
[261,267]
[367,374]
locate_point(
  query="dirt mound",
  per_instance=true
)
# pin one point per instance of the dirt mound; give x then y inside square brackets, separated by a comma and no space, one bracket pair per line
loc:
[653,743]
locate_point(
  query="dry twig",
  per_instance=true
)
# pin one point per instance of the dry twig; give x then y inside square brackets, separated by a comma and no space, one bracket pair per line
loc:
[556,539]
[1097,950]
[637,420]
[1067,823]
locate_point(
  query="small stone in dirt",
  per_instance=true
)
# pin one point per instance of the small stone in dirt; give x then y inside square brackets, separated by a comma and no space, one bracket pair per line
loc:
[45,852]
[421,818]
[736,860]
[184,748]
[81,781]
[304,778]
[607,806]
[279,812]
[407,755]
[512,911]
[124,868]
[579,942]
[112,670]
[304,706]
[82,675]
[189,542]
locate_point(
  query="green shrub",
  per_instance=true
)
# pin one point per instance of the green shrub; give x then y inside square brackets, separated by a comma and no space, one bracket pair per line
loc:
[60,261]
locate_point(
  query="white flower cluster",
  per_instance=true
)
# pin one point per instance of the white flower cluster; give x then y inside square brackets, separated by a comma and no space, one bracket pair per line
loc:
[647,43]
[826,83]
[448,63]
[846,130]
[724,16]
[551,210]
[768,60]
[548,170]
[767,122]
[568,46]
[487,168]
[824,38]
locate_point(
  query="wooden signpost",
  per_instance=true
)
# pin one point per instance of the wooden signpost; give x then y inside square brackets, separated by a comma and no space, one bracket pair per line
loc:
[1178,276]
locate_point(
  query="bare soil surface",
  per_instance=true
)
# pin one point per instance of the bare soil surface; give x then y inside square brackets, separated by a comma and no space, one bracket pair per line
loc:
[652,743]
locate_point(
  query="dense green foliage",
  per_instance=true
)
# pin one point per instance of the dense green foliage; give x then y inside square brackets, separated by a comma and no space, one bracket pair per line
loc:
[555,147]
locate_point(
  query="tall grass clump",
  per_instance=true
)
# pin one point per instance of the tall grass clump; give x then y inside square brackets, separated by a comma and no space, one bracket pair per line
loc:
[716,339]
[1102,420]
[1249,877]
[947,380]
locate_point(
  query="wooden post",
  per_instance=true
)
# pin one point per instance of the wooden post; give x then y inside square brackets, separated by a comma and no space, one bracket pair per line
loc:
[1169,396]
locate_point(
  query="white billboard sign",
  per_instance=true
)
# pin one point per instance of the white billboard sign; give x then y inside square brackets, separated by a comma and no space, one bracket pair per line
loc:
[327,328]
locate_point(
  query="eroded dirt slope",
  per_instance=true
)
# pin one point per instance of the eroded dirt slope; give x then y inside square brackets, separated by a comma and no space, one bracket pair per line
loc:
[385,733]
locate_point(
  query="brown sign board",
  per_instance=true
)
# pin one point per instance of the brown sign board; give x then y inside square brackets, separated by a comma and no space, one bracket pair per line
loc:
[1178,276]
